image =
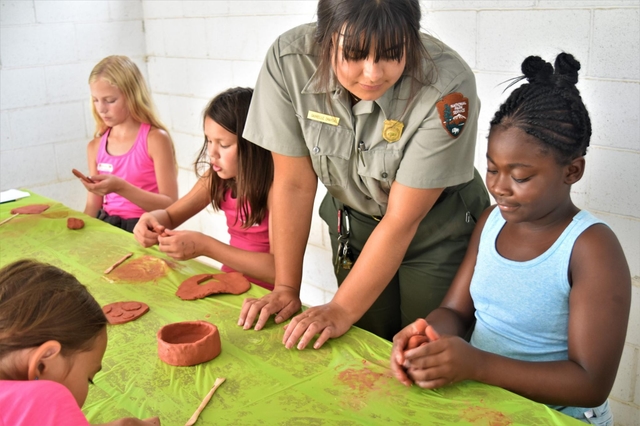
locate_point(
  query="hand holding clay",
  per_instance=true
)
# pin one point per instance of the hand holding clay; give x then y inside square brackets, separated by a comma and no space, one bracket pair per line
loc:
[403,341]
[283,301]
[180,245]
[104,184]
[147,230]
[330,320]
[131,421]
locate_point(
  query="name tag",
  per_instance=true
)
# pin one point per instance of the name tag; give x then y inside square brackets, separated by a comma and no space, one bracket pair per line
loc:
[323,118]
[105,167]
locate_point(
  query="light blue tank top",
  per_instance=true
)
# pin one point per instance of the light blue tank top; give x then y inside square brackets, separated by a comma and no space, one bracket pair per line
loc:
[522,308]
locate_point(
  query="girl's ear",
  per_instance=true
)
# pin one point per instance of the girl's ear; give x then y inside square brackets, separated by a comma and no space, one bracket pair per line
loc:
[574,171]
[42,360]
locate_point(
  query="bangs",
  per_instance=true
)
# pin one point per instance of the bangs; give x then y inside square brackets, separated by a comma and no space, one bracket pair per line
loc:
[385,35]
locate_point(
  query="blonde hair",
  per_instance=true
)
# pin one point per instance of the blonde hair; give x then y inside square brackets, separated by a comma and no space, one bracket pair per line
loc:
[122,72]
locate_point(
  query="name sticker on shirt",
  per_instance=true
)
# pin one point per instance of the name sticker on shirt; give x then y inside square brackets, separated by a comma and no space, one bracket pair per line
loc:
[105,167]
[453,110]
[323,118]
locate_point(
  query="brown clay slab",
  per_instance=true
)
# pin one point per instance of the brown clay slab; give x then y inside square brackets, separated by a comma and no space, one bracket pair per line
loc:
[75,223]
[30,209]
[203,285]
[122,312]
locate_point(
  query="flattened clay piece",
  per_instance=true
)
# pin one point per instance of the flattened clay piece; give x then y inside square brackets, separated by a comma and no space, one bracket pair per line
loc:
[188,343]
[75,223]
[30,209]
[231,282]
[416,340]
[121,312]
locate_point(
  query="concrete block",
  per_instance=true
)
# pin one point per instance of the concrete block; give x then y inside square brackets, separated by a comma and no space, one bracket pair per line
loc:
[5,130]
[154,37]
[476,5]
[624,414]
[456,29]
[317,269]
[625,379]
[254,8]
[46,124]
[627,230]
[17,12]
[245,73]
[311,295]
[573,4]
[98,40]
[203,8]
[89,121]
[214,224]
[34,45]
[168,75]
[615,44]
[125,10]
[616,188]
[71,11]
[69,82]
[163,106]
[27,167]
[186,114]
[614,109]
[71,155]
[70,193]
[162,9]
[206,77]
[187,180]
[187,148]
[22,87]
[187,38]
[633,328]
[539,32]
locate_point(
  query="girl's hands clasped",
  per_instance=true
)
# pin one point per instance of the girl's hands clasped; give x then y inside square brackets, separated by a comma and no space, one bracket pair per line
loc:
[282,301]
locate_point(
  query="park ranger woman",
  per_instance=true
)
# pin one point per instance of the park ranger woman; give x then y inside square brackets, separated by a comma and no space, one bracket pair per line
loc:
[386,117]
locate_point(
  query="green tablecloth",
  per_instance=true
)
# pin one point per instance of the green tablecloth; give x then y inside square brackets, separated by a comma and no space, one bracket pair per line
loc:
[346,382]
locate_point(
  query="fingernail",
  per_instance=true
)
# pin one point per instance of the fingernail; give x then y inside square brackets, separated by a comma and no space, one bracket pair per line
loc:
[240,322]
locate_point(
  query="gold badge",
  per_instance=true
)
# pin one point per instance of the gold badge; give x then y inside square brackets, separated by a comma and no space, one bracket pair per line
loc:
[392,130]
[323,118]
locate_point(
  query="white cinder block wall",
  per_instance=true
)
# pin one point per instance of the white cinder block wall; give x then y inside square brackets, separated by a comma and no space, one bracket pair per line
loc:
[191,50]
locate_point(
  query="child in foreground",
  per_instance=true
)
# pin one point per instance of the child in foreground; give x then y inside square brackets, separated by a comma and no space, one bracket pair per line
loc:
[53,336]
[132,162]
[548,283]
[235,176]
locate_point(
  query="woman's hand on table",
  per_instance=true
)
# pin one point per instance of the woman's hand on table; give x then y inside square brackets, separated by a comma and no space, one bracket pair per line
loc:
[147,230]
[283,301]
[132,421]
[330,320]
[180,245]
[104,184]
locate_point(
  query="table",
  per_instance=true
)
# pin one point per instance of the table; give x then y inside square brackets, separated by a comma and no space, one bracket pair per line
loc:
[346,382]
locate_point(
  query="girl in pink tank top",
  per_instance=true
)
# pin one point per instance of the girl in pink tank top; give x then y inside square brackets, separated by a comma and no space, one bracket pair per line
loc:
[234,176]
[132,163]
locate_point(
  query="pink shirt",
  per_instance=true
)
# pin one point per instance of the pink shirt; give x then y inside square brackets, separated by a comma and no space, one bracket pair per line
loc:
[254,238]
[38,402]
[136,167]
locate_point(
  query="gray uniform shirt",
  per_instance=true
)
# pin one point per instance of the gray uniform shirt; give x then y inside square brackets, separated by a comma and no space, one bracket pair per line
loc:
[290,115]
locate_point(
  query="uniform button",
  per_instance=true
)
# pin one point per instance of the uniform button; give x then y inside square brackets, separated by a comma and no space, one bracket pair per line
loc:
[384,175]
[316,150]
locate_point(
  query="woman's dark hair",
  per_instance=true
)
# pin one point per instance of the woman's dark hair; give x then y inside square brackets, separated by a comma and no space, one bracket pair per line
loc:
[40,302]
[390,27]
[255,164]
[549,107]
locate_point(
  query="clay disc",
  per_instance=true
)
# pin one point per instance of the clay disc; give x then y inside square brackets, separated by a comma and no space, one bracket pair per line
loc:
[30,209]
[203,285]
[75,223]
[121,312]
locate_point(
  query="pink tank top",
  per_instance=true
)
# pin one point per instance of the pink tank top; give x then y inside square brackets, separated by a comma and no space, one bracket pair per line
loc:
[136,167]
[255,238]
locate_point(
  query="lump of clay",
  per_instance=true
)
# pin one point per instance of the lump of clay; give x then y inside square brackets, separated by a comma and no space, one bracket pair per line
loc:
[416,340]
[75,223]
[193,288]
[188,343]
[30,209]
[121,312]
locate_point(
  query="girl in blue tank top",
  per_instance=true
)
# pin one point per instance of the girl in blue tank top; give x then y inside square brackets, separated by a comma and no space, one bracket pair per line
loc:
[544,285]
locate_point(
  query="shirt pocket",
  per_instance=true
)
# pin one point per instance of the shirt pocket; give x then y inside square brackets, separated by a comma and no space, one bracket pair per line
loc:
[377,168]
[330,148]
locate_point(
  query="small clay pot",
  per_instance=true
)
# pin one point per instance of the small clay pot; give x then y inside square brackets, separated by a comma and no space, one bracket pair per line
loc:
[188,343]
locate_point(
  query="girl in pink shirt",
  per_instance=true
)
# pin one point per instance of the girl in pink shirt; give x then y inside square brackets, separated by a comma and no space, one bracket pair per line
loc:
[234,176]
[132,162]
[53,336]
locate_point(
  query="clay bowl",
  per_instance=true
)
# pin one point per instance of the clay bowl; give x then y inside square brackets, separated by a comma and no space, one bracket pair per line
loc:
[188,343]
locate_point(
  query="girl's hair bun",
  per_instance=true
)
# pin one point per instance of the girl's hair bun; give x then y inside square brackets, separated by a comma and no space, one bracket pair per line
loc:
[535,68]
[568,67]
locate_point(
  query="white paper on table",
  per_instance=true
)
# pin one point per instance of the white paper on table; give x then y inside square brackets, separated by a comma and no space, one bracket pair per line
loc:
[12,195]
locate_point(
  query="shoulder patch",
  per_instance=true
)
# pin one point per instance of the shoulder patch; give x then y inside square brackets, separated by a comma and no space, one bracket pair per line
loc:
[453,110]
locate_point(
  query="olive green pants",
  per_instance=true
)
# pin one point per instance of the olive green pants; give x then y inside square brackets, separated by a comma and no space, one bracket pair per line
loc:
[430,263]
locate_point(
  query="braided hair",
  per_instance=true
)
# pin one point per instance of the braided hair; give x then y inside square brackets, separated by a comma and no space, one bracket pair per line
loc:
[549,107]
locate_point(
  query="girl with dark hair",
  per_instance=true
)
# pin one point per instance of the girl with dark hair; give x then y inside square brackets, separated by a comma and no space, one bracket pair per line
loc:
[386,117]
[53,335]
[234,176]
[547,283]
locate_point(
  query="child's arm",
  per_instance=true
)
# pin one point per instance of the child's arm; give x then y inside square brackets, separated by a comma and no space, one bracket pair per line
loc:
[94,201]
[599,311]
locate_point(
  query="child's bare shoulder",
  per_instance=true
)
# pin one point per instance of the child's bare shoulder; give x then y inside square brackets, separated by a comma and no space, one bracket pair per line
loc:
[598,248]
